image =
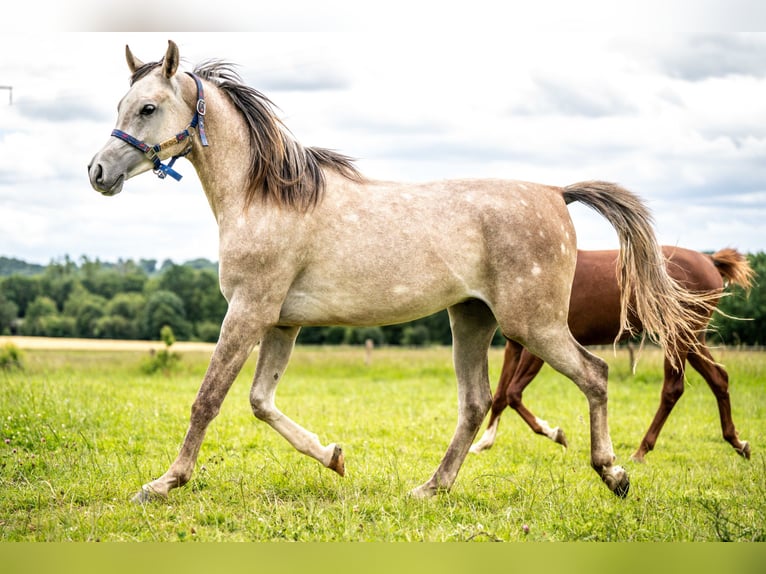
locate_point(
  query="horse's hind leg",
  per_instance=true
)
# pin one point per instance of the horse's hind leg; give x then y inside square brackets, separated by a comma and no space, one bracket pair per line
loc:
[561,351]
[718,380]
[672,389]
[473,326]
[274,354]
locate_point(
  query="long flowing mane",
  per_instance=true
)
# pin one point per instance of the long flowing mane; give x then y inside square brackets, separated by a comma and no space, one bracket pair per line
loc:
[281,169]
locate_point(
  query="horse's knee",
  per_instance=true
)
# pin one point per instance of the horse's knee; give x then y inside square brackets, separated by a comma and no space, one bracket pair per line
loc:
[204,411]
[474,410]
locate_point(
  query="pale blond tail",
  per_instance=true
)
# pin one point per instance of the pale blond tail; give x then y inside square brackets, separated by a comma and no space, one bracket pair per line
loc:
[671,316]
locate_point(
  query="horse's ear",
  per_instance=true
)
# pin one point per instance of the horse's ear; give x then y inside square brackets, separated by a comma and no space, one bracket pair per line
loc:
[133,62]
[170,63]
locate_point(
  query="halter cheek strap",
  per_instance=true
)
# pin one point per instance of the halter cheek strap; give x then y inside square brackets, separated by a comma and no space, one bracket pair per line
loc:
[152,151]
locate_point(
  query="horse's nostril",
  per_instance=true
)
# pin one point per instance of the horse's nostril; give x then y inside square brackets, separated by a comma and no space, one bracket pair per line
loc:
[96,172]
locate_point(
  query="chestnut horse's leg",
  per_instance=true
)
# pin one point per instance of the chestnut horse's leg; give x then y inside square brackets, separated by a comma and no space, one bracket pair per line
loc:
[520,367]
[274,354]
[500,400]
[718,380]
[672,389]
[529,366]
[473,327]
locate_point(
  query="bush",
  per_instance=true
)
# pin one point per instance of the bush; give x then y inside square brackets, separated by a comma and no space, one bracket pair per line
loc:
[163,360]
[10,357]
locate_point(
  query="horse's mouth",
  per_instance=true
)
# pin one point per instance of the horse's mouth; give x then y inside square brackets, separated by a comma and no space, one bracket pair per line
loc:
[113,189]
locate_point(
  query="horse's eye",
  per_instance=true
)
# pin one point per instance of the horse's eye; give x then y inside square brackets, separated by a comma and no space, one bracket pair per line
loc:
[148,109]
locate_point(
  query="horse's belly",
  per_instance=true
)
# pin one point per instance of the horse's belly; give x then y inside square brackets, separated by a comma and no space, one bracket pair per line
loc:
[368,305]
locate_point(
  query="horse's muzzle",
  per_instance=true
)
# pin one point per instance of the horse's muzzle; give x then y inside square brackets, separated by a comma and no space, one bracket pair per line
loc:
[101,181]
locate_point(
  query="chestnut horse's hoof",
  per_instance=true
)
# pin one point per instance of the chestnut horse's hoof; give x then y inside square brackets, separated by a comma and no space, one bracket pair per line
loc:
[338,463]
[745,450]
[561,437]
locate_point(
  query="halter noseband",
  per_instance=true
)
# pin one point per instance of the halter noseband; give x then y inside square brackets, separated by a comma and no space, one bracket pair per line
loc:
[151,151]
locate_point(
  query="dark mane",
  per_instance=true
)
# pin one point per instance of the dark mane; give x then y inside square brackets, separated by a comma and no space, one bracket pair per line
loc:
[281,169]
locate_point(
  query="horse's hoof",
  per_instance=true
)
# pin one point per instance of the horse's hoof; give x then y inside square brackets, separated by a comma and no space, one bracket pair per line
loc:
[637,457]
[477,448]
[147,494]
[423,491]
[338,462]
[560,437]
[745,450]
[616,479]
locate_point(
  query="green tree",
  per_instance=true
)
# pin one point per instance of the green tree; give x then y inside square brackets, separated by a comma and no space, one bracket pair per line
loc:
[164,308]
[743,317]
[86,309]
[21,290]
[9,312]
[37,321]
[58,281]
[123,317]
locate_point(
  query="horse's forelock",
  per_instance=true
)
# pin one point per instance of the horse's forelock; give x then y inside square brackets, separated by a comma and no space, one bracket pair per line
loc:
[144,71]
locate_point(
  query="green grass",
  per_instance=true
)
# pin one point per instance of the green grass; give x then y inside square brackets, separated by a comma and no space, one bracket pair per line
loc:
[82,431]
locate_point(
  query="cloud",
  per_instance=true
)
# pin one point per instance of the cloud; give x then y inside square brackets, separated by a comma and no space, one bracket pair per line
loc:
[62,109]
[559,96]
[698,58]
[301,78]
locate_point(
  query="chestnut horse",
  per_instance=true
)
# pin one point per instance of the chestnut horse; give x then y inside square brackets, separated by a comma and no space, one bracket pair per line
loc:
[305,239]
[594,318]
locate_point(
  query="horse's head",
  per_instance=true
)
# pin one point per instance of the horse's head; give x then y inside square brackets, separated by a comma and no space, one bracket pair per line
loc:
[153,110]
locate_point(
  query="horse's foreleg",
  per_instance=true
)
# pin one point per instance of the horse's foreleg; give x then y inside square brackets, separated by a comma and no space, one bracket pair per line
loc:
[672,389]
[718,380]
[276,347]
[472,326]
[233,348]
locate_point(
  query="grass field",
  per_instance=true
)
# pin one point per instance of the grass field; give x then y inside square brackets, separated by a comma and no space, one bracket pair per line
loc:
[83,429]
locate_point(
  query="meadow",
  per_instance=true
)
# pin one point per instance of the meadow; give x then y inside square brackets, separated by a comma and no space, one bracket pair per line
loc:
[81,431]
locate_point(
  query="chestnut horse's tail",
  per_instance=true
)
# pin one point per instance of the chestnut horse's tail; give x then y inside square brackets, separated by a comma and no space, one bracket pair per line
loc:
[733,267]
[671,316]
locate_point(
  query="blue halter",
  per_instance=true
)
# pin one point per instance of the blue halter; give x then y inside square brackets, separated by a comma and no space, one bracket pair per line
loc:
[151,151]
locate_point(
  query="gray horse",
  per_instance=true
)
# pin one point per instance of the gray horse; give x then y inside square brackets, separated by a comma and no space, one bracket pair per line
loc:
[305,239]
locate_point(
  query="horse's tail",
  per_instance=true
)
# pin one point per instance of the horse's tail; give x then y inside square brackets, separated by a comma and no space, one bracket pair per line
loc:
[733,267]
[671,316]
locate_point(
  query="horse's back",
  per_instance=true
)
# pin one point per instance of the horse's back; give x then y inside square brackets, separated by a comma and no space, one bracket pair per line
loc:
[594,311]
[695,271]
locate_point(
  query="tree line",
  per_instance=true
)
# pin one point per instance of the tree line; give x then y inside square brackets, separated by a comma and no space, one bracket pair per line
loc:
[135,299]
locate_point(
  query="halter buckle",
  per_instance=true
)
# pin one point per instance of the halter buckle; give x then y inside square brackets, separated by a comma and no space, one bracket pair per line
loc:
[201,107]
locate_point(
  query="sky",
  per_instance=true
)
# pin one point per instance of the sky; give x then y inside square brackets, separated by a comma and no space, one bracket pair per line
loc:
[673,110]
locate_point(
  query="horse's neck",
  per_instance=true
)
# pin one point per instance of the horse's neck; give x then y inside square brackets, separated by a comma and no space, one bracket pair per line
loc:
[223,165]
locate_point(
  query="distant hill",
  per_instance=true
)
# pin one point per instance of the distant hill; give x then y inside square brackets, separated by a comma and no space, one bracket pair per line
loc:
[13,266]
